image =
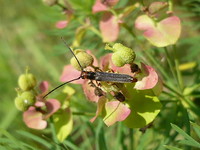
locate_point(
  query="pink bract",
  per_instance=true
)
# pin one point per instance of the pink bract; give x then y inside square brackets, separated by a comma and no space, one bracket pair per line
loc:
[115,111]
[109,27]
[160,34]
[103,6]
[62,24]
[69,73]
[149,78]
[89,91]
[34,119]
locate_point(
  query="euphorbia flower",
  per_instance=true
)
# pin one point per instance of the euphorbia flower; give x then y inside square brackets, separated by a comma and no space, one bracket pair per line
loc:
[111,109]
[35,117]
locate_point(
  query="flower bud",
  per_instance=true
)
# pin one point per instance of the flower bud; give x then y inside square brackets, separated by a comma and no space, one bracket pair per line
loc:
[27,81]
[122,55]
[84,58]
[25,100]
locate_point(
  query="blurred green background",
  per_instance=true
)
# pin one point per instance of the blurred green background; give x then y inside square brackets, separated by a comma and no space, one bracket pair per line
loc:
[29,38]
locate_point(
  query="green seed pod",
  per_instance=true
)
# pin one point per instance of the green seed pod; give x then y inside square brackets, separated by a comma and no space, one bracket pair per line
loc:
[49,2]
[122,55]
[27,81]
[84,58]
[24,101]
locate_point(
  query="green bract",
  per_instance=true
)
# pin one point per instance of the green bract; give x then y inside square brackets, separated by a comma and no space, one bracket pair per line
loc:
[27,81]
[25,100]
[84,58]
[122,55]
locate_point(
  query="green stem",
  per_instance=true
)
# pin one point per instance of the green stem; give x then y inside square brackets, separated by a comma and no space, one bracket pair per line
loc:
[94,30]
[170,2]
[157,64]
[169,60]
[173,90]
[83,114]
[131,140]
[178,72]
[53,131]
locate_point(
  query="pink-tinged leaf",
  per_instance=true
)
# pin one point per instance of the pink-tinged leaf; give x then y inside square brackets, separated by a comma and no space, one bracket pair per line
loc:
[115,111]
[99,6]
[89,91]
[149,78]
[44,86]
[52,106]
[70,73]
[100,106]
[109,27]
[160,34]
[34,119]
[62,24]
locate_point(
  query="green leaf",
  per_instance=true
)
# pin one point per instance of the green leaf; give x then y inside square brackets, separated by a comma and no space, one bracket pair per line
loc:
[171,147]
[196,128]
[190,141]
[35,138]
[63,124]
[144,106]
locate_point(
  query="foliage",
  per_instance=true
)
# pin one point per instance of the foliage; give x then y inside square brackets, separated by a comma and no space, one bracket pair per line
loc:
[167,43]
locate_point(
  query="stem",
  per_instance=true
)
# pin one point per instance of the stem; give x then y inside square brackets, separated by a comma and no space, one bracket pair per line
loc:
[170,5]
[54,134]
[62,6]
[131,139]
[171,66]
[93,29]
[83,114]
[178,72]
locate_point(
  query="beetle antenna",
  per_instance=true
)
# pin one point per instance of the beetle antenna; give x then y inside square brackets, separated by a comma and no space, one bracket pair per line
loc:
[60,86]
[72,53]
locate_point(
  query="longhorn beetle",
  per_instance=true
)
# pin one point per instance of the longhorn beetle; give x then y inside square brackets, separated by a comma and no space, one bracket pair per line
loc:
[97,76]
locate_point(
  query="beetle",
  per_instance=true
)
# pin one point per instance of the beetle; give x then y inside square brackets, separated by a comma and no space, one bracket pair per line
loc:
[97,76]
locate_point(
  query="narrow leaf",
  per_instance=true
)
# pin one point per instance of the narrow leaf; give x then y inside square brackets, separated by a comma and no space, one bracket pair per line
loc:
[189,143]
[185,135]
[35,138]
[196,128]
[171,147]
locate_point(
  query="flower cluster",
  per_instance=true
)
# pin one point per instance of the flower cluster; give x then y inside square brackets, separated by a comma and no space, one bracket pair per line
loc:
[36,110]
[134,103]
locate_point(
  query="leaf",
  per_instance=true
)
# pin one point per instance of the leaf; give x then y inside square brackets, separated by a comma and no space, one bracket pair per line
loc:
[190,141]
[115,111]
[31,136]
[163,33]
[109,27]
[63,124]
[144,106]
[196,128]
[171,147]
